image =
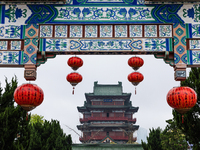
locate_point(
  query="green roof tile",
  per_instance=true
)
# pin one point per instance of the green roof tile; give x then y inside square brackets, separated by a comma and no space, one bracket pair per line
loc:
[101,89]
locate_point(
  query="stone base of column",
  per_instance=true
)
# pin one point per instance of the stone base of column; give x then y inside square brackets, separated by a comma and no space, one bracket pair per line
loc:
[30,72]
[180,72]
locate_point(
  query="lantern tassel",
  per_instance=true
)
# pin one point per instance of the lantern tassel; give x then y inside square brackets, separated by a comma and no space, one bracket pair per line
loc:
[135,90]
[73,91]
[182,118]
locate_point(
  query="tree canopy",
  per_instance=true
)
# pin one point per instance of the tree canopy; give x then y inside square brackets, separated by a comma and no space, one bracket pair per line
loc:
[36,118]
[154,140]
[16,133]
[49,136]
[14,130]
[172,138]
[191,125]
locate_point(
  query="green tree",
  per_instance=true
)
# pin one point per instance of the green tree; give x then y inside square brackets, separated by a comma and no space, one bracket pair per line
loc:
[154,140]
[36,118]
[14,131]
[173,138]
[49,136]
[191,125]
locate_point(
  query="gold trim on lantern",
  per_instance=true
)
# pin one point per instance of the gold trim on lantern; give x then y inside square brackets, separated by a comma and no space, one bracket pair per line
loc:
[182,110]
[28,107]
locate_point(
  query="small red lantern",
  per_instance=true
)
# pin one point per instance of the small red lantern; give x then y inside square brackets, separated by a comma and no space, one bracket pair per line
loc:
[75,62]
[135,62]
[135,78]
[182,99]
[28,96]
[74,78]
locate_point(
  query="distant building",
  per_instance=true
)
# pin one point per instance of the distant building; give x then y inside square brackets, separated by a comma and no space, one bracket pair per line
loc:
[107,116]
[141,135]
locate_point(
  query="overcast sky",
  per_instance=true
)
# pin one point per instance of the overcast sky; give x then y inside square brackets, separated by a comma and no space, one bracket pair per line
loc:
[61,105]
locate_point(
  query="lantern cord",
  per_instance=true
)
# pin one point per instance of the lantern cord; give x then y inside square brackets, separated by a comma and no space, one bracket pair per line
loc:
[135,90]
[73,90]
[27,116]
[182,118]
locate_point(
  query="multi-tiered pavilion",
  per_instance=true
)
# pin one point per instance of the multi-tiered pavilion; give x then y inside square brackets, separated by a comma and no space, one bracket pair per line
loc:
[107,115]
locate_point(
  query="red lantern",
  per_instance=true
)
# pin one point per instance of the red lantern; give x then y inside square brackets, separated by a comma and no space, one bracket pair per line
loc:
[75,62]
[135,62]
[74,78]
[28,96]
[182,99]
[135,78]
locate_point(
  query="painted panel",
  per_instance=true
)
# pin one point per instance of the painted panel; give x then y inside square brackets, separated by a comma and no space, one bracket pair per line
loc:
[11,57]
[100,2]
[193,57]
[194,44]
[12,31]
[180,54]
[57,14]
[72,14]
[30,51]
[46,31]
[15,45]
[89,45]
[193,30]
[52,14]
[90,31]
[61,31]
[3,45]
[32,31]
[150,30]
[136,30]
[120,30]
[76,31]
[106,31]
[165,30]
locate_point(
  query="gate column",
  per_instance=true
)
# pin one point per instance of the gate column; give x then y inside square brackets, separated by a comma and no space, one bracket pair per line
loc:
[30,51]
[180,53]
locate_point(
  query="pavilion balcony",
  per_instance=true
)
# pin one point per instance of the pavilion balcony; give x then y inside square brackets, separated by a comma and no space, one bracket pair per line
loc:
[88,138]
[82,120]
[98,138]
[122,138]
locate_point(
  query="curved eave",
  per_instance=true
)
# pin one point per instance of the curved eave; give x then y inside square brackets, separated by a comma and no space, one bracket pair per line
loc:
[133,109]
[92,107]
[132,127]
[91,119]
[82,109]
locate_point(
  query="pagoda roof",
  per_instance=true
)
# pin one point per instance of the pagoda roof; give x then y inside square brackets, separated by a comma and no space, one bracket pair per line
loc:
[102,89]
[107,90]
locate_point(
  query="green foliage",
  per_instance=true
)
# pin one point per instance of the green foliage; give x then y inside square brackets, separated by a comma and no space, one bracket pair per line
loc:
[173,138]
[154,140]
[191,125]
[14,132]
[49,136]
[36,118]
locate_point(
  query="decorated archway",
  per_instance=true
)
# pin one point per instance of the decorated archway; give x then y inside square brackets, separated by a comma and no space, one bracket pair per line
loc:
[30,33]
